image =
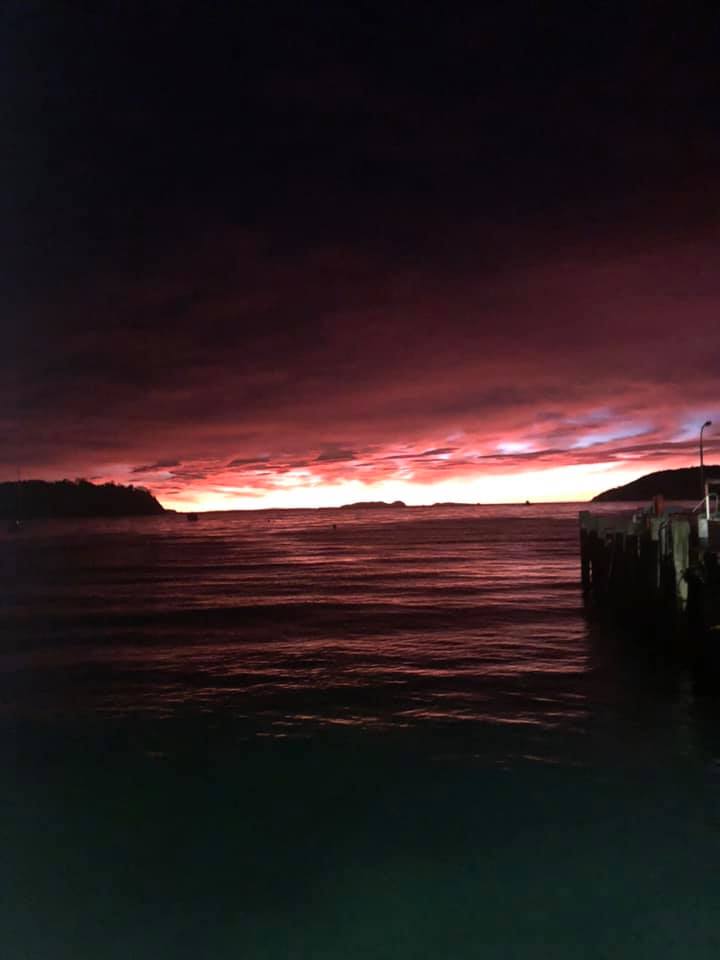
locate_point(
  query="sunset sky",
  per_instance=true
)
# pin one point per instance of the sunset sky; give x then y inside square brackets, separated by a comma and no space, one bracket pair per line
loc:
[305,254]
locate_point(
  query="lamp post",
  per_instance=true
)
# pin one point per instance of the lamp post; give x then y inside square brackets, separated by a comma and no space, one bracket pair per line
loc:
[708,423]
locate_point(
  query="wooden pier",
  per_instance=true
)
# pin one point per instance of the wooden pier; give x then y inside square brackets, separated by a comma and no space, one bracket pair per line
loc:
[657,570]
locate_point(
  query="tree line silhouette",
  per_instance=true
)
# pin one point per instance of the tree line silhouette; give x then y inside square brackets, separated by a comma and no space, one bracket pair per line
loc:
[26,499]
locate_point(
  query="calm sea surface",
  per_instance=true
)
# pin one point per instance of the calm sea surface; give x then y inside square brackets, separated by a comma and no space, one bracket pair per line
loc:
[316,734]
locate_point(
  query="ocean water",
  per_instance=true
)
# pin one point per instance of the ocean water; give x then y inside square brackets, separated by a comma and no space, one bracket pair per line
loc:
[324,734]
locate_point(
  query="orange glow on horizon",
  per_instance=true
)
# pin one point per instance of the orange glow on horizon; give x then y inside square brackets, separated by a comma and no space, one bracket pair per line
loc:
[572,483]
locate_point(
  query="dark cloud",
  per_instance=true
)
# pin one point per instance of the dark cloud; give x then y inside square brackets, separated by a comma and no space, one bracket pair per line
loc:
[332,456]
[246,236]
[160,465]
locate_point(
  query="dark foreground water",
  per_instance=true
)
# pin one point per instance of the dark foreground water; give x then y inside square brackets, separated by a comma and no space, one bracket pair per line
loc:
[261,736]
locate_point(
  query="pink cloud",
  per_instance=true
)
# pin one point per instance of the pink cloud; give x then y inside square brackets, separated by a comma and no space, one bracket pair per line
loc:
[333,366]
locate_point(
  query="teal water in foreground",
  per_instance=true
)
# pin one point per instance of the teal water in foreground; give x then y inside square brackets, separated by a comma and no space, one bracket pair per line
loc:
[262,737]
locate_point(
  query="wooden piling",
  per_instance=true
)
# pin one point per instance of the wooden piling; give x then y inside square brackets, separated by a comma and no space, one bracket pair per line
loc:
[657,570]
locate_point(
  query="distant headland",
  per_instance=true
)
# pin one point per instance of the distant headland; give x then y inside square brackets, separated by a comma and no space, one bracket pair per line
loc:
[683,484]
[372,505]
[27,499]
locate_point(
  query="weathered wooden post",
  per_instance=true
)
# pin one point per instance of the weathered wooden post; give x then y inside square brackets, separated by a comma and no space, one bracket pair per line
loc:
[681,558]
[599,567]
[585,549]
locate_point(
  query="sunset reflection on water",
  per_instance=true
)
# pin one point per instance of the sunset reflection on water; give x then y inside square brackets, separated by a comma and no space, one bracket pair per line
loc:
[284,620]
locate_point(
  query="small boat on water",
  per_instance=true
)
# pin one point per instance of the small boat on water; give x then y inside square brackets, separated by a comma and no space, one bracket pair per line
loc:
[192,518]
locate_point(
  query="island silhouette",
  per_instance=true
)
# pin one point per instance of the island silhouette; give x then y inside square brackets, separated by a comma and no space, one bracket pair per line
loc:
[372,505]
[29,499]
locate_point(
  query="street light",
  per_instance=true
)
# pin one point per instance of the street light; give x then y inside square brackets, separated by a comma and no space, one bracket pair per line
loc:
[708,423]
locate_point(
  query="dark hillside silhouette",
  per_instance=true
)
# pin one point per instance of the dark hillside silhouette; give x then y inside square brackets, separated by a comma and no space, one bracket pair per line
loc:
[79,498]
[683,484]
